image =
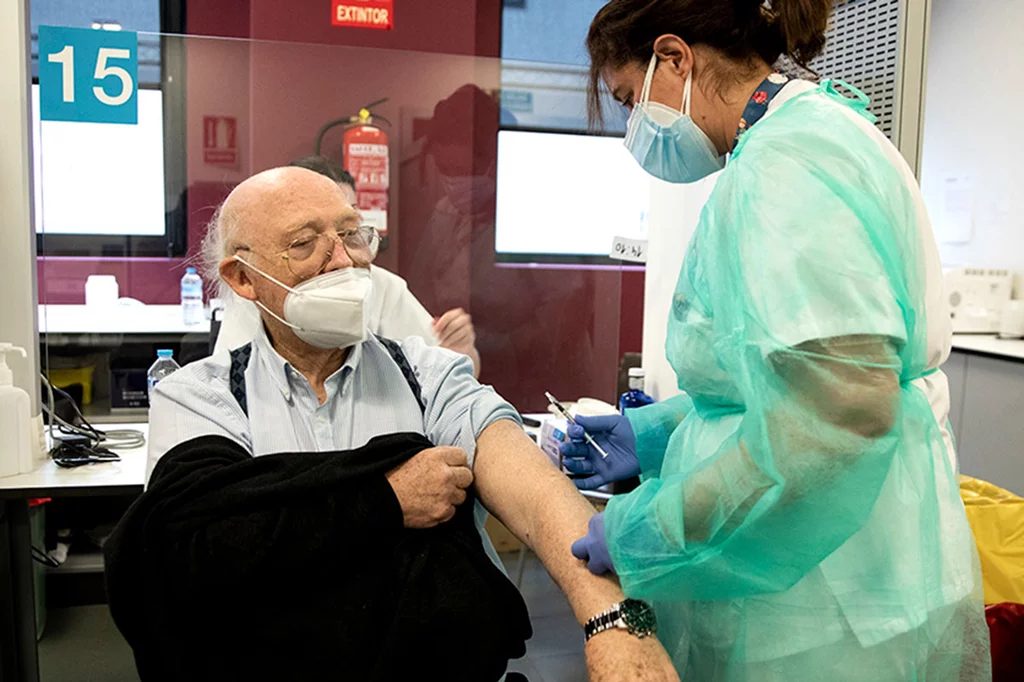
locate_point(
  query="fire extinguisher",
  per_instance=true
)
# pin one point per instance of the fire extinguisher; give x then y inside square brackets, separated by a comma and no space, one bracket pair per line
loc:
[366,155]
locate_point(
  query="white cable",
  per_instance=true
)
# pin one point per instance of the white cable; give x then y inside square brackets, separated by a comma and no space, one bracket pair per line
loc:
[123,438]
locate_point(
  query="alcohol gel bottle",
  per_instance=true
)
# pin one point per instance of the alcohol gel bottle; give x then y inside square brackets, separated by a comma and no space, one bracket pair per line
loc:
[15,420]
[164,366]
[191,297]
[635,396]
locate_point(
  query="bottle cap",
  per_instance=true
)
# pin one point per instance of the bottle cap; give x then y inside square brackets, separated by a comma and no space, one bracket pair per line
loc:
[190,271]
[637,372]
[165,353]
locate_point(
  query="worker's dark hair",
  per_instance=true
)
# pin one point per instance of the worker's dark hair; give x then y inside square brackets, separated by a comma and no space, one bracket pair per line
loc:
[742,31]
[327,167]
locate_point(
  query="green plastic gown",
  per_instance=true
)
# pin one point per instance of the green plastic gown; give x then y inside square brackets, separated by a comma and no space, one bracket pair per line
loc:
[799,516]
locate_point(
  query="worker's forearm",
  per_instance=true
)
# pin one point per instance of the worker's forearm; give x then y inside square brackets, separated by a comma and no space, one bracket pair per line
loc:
[518,484]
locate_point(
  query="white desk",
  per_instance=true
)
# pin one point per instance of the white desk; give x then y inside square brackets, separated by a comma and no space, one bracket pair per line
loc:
[125,477]
[989,344]
[18,653]
[116,319]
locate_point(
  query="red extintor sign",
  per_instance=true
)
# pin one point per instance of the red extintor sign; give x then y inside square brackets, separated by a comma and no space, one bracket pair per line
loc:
[379,14]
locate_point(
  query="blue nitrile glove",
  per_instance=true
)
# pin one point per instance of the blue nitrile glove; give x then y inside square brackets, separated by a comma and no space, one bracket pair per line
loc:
[615,435]
[593,548]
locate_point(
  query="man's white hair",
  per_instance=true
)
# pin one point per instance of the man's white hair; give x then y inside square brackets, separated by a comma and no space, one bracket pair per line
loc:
[219,243]
[222,233]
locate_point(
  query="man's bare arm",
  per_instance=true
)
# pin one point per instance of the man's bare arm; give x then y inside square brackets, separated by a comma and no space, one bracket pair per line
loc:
[517,483]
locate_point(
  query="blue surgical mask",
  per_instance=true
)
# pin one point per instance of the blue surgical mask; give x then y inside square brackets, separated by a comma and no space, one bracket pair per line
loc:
[667,143]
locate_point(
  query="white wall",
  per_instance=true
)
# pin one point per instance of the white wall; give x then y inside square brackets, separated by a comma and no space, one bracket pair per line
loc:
[972,127]
[675,210]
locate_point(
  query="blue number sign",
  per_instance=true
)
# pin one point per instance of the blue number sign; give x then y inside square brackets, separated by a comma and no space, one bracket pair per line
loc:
[88,75]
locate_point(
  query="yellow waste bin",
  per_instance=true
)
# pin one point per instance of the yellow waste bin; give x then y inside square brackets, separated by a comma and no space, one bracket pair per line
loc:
[997,519]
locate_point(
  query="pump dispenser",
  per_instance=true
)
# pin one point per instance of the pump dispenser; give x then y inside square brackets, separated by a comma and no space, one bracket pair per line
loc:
[15,420]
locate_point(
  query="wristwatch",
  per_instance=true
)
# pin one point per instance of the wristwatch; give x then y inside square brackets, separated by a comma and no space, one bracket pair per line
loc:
[633,615]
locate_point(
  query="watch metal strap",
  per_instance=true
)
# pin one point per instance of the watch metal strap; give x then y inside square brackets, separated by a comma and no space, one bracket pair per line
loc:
[606,620]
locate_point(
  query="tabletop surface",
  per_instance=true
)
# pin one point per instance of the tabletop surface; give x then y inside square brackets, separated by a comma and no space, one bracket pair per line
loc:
[116,319]
[127,475]
[990,344]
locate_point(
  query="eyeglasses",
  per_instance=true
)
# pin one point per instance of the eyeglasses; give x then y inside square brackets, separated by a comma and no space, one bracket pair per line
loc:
[308,256]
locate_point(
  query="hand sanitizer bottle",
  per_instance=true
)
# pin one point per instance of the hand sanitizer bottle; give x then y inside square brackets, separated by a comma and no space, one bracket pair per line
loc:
[15,420]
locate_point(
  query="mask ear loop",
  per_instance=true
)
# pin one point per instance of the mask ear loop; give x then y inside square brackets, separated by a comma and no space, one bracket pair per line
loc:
[257,270]
[278,283]
[685,108]
[645,94]
[278,317]
[645,91]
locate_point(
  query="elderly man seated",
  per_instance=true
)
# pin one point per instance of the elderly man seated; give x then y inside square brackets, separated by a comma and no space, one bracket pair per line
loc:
[315,383]
[393,310]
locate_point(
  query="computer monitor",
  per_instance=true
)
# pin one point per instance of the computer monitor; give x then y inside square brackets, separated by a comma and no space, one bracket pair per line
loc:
[100,179]
[563,197]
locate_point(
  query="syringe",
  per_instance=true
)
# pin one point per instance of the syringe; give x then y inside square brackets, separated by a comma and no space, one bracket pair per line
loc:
[565,413]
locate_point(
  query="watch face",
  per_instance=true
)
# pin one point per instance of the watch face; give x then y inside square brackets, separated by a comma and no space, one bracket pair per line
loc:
[639,617]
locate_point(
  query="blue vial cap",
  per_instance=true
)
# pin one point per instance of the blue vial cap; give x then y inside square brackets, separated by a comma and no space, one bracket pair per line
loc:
[165,353]
[190,271]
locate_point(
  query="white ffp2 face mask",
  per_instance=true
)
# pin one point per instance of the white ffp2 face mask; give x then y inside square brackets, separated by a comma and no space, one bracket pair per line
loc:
[328,311]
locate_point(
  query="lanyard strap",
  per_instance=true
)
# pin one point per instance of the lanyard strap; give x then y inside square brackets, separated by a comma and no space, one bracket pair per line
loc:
[757,107]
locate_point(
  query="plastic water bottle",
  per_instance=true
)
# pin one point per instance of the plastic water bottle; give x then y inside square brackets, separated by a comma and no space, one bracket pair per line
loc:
[191,297]
[635,396]
[164,366]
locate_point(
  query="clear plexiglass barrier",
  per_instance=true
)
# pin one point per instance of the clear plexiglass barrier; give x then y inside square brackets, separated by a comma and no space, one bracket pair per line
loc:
[492,220]
[487,189]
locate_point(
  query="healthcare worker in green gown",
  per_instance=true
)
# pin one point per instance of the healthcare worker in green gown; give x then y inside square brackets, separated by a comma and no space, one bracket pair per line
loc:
[798,517]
